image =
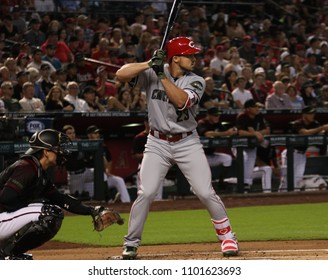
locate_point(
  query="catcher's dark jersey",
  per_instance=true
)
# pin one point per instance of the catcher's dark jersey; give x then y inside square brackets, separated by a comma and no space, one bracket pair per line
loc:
[25,182]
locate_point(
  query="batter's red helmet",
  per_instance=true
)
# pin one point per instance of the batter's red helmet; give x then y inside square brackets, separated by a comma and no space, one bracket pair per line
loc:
[181,46]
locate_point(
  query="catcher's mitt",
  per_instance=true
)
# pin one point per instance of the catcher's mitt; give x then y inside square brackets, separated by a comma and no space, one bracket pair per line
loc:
[103,217]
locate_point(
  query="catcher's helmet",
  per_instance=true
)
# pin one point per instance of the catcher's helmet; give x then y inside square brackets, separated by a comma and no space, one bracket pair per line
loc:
[181,46]
[49,139]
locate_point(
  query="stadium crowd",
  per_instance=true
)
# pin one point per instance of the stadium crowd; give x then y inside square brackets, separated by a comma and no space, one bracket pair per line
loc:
[276,54]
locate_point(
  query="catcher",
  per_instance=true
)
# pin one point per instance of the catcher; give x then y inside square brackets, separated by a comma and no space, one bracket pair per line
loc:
[30,205]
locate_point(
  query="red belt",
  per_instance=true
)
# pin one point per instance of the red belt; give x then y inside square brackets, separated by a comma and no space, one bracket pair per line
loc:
[170,137]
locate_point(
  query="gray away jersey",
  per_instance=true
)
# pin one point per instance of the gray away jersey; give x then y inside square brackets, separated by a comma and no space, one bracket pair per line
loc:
[163,115]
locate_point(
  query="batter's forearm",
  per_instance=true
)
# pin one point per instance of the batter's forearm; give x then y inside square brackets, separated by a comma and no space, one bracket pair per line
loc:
[176,95]
[131,70]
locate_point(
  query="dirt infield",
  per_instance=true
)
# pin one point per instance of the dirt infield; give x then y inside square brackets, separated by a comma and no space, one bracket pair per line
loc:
[281,250]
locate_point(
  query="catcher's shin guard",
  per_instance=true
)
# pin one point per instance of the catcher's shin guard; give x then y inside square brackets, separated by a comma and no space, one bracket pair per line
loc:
[229,243]
[34,234]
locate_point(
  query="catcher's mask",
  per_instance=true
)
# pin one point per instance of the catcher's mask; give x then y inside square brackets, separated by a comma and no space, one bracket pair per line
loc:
[52,140]
[181,46]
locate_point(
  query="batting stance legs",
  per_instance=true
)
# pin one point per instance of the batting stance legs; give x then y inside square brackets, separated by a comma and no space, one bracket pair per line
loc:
[28,228]
[159,156]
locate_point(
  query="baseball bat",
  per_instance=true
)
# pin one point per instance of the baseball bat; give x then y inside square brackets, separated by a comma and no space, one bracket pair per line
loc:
[102,62]
[171,20]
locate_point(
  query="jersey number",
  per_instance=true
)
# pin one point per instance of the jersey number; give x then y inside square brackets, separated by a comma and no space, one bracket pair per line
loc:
[182,115]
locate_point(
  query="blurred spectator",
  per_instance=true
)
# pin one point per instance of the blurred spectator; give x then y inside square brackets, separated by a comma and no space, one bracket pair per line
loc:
[55,100]
[299,81]
[211,126]
[258,90]
[218,63]
[311,69]
[33,77]
[44,6]
[18,19]
[101,52]
[45,20]
[305,125]
[72,97]
[36,61]
[61,79]
[30,103]
[63,53]
[136,31]
[229,84]
[22,78]
[240,94]
[11,104]
[323,56]
[138,99]
[234,28]
[4,74]
[22,61]
[10,63]
[314,46]
[69,24]
[142,45]
[54,27]
[212,97]
[308,94]
[323,97]
[83,22]
[93,133]
[248,74]
[235,63]
[71,71]
[105,88]
[125,100]
[92,100]
[251,123]
[49,56]
[73,44]
[297,62]
[218,25]
[284,67]
[296,100]
[34,36]
[8,29]
[246,50]
[45,80]
[85,72]
[102,26]
[80,178]
[278,99]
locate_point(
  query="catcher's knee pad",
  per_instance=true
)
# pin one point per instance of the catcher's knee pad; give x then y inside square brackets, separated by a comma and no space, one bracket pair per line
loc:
[34,234]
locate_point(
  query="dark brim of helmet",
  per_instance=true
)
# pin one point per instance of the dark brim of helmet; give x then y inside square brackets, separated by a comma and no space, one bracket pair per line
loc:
[32,151]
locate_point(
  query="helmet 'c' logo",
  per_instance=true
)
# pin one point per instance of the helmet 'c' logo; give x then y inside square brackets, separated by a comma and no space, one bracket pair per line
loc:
[191,44]
[34,126]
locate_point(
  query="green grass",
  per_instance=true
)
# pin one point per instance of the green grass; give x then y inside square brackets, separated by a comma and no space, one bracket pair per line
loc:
[283,222]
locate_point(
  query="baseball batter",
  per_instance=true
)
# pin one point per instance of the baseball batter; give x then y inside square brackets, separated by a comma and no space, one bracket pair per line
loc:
[173,93]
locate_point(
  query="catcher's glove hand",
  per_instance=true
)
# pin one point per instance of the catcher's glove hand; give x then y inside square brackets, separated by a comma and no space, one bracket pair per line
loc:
[103,217]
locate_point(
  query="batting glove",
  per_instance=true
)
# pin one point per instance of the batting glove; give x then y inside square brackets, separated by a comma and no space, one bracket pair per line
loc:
[157,63]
